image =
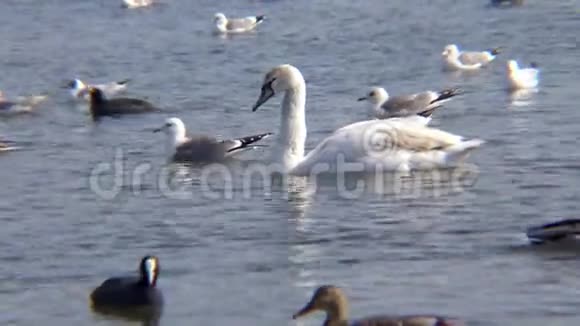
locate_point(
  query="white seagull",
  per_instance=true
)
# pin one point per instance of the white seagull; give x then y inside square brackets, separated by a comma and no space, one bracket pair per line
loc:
[421,104]
[136,3]
[453,59]
[22,104]
[522,78]
[236,25]
[182,148]
[397,144]
[79,90]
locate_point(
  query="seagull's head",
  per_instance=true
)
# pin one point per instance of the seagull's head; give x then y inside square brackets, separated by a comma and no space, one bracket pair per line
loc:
[376,96]
[450,50]
[220,19]
[512,65]
[173,127]
[278,80]
[75,84]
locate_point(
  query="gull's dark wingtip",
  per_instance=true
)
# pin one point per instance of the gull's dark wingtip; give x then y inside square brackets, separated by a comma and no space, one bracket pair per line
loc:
[496,51]
[534,65]
[260,18]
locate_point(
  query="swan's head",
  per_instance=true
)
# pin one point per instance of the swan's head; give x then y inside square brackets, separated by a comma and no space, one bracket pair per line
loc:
[220,19]
[376,96]
[512,65]
[450,50]
[278,80]
[173,127]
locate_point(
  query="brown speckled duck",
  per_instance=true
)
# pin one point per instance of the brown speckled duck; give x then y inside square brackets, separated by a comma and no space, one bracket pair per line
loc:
[333,301]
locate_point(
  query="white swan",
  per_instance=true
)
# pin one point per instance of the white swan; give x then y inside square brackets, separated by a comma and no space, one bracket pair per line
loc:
[522,78]
[397,144]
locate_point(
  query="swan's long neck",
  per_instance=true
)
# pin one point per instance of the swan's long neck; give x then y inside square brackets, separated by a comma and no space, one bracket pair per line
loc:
[292,127]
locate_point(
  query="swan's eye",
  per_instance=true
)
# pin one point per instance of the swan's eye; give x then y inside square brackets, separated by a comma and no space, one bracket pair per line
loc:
[372,94]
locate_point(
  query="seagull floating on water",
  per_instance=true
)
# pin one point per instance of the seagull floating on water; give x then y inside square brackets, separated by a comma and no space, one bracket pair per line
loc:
[236,25]
[136,3]
[182,148]
[333,301]
[421,104]
[399,144]
[556,231]
[22,104]
[79,90]
[101,106]
[453,59]
[522,78]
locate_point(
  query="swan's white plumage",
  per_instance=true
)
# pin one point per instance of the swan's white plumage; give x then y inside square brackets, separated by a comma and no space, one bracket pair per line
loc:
[400,144]
[521,78]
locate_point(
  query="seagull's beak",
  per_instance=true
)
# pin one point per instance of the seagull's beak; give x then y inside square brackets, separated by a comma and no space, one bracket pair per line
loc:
[364,98]
[266,93]
[160,129]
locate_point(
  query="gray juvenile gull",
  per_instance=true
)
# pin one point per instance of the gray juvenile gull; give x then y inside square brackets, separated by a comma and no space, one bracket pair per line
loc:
[79,90]
[422,104]
[236,25]
[555,231]
[332,301]
[22,104]
[453,59]
[100,106]
[203,148]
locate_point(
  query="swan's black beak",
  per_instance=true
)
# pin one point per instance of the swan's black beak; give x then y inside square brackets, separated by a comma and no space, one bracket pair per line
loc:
[266,93]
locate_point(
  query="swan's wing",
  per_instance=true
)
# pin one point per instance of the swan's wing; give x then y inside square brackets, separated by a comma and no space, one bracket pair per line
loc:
[377,140]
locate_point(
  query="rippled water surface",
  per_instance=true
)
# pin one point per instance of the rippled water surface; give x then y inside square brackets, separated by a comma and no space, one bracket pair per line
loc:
[254,257]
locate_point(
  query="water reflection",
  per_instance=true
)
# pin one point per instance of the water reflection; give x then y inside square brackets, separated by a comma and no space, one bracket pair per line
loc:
[522,97]
[145,316]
